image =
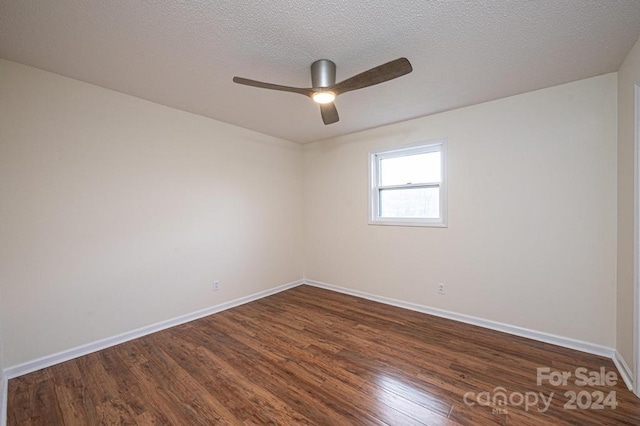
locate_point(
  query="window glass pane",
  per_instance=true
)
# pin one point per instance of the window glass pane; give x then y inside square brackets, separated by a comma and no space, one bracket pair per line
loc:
[411,202]
[418,168]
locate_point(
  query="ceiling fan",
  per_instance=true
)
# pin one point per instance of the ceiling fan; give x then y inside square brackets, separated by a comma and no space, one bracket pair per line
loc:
[325,89]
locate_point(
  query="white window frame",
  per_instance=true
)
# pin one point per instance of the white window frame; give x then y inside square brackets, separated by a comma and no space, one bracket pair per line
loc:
[439,145]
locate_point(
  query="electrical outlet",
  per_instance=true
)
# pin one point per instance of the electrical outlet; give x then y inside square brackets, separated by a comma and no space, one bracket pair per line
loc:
[440,288]
[216,285]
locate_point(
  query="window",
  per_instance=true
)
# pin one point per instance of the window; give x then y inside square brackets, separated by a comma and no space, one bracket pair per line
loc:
[407,186]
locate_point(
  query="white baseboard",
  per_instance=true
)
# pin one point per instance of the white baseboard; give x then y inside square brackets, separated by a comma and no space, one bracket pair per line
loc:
[624,369]
[553,339]
[49,360]
[3,402]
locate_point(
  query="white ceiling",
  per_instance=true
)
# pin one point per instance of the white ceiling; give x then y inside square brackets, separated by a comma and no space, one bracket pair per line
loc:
[184,53]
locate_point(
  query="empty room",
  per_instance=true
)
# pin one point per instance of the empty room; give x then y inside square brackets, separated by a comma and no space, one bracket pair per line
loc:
[442,230]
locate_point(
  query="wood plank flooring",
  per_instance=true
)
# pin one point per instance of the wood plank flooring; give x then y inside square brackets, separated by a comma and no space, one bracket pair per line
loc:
[311,356]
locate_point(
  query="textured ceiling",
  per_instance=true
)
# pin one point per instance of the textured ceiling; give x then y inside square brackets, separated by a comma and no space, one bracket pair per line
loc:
[184,53]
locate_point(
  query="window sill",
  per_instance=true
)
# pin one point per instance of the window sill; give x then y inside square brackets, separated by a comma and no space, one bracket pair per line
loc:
[408,223]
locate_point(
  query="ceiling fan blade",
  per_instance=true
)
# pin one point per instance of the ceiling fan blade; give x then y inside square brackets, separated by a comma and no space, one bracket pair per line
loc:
[260,84]
[379,74]
[329,113]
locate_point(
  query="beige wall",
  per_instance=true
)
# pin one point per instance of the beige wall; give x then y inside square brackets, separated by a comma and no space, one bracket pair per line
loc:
[628,78]
[117,213]
[532,220]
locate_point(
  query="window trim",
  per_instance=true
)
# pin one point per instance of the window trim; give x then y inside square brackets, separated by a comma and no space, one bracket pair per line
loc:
[434,145]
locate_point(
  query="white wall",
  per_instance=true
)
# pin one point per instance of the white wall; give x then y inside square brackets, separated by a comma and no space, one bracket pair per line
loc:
[117,213]
[531,240]
[628,78]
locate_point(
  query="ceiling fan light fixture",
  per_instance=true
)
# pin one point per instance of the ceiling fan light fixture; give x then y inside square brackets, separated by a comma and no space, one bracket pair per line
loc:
[324,89]
[324,97]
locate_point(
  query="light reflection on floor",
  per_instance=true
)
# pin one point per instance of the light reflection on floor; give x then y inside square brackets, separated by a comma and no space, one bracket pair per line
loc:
[409,399]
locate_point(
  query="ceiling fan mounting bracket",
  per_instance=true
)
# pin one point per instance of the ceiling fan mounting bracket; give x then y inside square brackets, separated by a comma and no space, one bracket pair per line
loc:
[323,74]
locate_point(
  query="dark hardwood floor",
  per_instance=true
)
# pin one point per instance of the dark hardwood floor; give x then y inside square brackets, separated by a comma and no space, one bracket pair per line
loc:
[311,356]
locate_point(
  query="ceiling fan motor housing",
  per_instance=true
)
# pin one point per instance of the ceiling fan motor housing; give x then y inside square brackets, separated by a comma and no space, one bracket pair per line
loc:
[323,73]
